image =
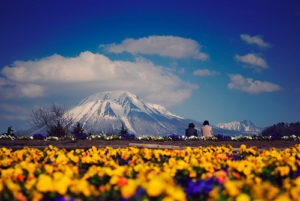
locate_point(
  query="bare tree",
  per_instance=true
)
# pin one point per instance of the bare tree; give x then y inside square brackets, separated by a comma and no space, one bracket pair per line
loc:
[51,118]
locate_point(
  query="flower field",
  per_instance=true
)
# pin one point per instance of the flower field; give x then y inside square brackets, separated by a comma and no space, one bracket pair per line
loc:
[204,173]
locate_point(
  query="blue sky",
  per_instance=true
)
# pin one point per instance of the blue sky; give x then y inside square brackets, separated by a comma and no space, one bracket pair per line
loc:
[216,60]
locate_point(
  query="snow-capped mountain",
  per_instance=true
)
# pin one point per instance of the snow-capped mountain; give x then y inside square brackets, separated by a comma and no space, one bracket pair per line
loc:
[106,112]
[246,127]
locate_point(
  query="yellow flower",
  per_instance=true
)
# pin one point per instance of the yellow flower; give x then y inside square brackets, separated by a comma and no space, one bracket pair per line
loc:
[214,193]
[286,184]
[297,181]
[128,190]
[13,187]
[295,193]
[155,187]
[181,165]
[283,197]
[68,171]
[193,174]
[167,198]
[114,180]
[176,193]
[243,197]
[265,190]
[48,168]
[30,167]
[1,185]
[243,147]
[29,184]
[81,186]
[62,159]
[232,188]
[36,196]
[247,170]
[61,185]
[257,180]
[44,183]
[283,170]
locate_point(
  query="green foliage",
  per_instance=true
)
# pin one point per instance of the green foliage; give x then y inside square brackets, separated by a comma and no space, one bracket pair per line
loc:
[123,130]
[9,132]
[78,129]
[283,129]
[57,130]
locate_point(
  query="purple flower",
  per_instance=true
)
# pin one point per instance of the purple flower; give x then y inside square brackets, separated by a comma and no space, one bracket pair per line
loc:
[127,136]
[80,136]
[64,198]
[38,137]
[199,187]
[173,137]
[139,192]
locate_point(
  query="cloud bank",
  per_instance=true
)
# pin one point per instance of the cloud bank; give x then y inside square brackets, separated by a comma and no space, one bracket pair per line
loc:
[13,112]
[166,46]
[204,72]
[50,75]
[256,40]
[253,60]
[251,86]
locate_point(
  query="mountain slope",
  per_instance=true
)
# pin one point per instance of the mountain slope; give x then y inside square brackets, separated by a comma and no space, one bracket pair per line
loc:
[106,111]
[245,126]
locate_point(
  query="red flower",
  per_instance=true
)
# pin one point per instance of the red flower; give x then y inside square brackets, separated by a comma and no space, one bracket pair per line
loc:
[122,181]
[20,177]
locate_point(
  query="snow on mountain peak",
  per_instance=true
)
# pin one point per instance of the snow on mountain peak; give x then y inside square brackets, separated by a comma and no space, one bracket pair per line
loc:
[110,95]
[242,126]
[162,110]
[107,111]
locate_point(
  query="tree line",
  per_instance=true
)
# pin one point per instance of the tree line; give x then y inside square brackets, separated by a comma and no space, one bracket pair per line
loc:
[57,122]
[282,129]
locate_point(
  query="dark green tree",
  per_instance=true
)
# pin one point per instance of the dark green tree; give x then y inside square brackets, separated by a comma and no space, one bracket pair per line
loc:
[10,131]
[52,119]
[282,129]
[57,130]
[123,130]
[77,129]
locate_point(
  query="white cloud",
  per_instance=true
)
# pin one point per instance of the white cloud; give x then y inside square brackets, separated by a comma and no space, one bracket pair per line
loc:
[204,72]
[167,46]
[253,60]
[2,82]
[257,40]
[31,90]
[95,72]
[251,86]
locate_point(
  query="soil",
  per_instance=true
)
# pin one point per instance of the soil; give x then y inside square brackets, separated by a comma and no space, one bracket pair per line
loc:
[85,144]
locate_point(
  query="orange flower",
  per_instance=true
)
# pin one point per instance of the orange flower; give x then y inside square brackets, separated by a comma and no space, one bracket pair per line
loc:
[102,189]
[236,175]
[20,177]
[222,157]
[122,181]
[221,176]
[21,197]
